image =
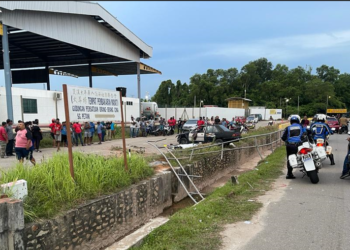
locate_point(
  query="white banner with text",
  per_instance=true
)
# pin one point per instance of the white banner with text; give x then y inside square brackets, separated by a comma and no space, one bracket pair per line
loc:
[90,104]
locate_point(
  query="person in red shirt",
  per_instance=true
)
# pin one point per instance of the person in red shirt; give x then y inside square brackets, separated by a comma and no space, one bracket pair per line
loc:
[58,134]
[77,129]
[52,124]
[3,140]
[173,122]
[170,122]
[200,122]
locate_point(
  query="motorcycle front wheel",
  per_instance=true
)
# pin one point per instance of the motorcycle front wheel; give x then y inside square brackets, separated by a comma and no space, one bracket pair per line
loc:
[313,176]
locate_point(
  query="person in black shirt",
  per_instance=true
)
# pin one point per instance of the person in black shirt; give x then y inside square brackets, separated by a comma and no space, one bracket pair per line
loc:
[179,125]
[37,135]
[217,120]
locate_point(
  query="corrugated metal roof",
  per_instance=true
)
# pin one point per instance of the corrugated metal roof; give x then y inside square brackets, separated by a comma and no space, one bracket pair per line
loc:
[57,19]
[238,98]
[103,69]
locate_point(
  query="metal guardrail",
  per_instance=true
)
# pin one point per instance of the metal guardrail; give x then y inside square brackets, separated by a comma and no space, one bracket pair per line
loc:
[276,134]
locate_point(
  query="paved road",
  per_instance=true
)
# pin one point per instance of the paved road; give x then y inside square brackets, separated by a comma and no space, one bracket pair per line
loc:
[310,216]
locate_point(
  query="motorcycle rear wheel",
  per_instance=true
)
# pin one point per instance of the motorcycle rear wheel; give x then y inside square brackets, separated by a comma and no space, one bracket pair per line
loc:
[313,177]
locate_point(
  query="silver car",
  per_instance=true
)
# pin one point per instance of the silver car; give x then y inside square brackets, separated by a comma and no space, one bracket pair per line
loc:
[190,124]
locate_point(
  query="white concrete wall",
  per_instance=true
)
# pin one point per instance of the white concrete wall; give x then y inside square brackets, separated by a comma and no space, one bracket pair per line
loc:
[275,113]
[266,113]
[227,113]
[257,111]
[46,105]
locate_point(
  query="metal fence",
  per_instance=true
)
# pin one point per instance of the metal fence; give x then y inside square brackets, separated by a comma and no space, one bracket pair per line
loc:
[272,139]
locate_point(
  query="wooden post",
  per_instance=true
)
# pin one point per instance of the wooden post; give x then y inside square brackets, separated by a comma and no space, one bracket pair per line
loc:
[69,135]
[123,131]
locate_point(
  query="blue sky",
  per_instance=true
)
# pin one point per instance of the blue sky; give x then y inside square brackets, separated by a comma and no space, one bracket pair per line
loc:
[191,37]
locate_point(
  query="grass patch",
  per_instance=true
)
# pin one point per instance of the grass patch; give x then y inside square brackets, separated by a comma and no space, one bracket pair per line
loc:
[199,227]
[51,188]
[261,130]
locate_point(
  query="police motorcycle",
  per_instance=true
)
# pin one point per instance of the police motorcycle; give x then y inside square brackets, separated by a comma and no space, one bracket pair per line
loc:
[309,159]
[318,133]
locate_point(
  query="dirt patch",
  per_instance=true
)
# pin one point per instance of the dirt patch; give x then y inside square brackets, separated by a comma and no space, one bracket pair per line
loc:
[237,235]
[161,168]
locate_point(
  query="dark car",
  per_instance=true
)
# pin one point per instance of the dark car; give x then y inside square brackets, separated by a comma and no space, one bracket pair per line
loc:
[210,133]
[333,123]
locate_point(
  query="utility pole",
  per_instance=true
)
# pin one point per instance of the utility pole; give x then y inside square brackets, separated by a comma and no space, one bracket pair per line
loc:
[327,103]
[298,105]
[194,105]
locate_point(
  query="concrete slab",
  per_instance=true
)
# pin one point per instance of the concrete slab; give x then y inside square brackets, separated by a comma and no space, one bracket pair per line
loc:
[136,237]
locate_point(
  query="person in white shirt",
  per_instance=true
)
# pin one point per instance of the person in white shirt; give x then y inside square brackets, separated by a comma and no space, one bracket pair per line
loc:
[136,128]
[132,127]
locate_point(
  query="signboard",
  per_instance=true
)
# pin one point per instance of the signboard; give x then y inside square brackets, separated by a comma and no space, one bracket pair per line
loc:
[90,104]
[272,111]
[336,111]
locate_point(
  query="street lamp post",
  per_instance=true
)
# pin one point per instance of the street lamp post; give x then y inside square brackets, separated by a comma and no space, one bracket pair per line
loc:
[298,105]
[200,108]
[287,100]
[327,103]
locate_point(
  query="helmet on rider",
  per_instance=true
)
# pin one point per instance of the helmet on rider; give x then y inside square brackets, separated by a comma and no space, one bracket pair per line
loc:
[321,118]
[295,119]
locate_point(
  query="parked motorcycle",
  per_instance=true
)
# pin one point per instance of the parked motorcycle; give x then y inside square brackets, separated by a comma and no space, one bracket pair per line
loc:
[168,130]
[343,129]
[153,130]
[309,158]
[244,129]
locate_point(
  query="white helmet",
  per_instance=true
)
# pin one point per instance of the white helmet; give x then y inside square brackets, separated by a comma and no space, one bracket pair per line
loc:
[321,117]
[294,118]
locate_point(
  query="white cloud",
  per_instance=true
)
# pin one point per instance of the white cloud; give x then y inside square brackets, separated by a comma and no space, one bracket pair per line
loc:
[286,48]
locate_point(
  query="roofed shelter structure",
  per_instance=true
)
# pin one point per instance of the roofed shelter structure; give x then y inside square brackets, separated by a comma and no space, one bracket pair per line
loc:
[71,38]
[239,102]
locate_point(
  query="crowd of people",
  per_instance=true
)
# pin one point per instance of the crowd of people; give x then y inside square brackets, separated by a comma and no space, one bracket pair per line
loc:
[141,127]
[23,143]
[29,135]
[81,133]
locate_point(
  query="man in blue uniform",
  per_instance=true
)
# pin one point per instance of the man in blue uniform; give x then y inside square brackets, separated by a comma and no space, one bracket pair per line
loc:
[320,130]
[292,136]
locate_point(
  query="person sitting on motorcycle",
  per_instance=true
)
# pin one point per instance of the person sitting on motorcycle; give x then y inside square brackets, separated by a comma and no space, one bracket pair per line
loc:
[292,135]
[320,130]
[343,122]
[346,167]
